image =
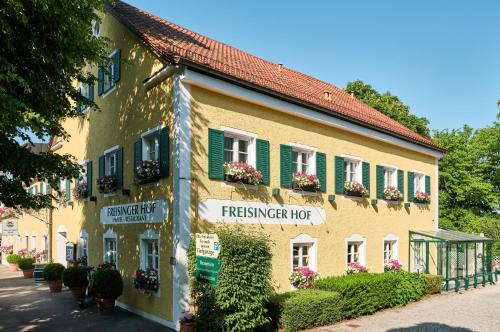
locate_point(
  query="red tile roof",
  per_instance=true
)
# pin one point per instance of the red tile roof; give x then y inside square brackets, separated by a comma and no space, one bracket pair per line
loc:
[178,44]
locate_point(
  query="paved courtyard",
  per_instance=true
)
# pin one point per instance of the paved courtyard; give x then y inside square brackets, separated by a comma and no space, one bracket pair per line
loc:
[24,307]
[472,310]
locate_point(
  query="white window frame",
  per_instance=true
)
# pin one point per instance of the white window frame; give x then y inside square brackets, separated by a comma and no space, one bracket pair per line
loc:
[311,156]
[395,247]
[45,238]
[414,266]
[151,133]
[394,176]
[361,241]
[108,74]
[418,178]
[237,135]
[109,235]
[83,243]
[33,240]
[85,86]
[149,235]
[358,167]
[107,155]
[305,239]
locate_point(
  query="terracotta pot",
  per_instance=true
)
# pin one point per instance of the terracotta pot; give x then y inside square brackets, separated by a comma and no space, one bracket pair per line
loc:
[105,305]
[14,267]
[78,292]
[28,273]
[188,327]
[55,286]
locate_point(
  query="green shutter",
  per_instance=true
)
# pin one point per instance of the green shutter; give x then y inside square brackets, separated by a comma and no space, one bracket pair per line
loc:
[401,185]
[91,91]
[68,190]
[286,166]
[137,153]
[41,188]
[89,178]
[366,176]
[428,184]
[164,152]
[262,148]
[339,175]
[102,166]
[100,80]
[380,181]
[215,154]
[321,170]
[119,168]
[78,106]
[411,188]
[116,66]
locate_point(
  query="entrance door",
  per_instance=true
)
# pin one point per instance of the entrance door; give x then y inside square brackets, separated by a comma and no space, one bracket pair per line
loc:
[418,257]
[61,247]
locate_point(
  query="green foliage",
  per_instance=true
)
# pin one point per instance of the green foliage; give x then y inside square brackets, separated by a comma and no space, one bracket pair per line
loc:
[365,293]
[107,284]
[26,263]
[433,283]
[53,271]
[38,69]
[13,259]
[389,105]
[305,308]
[237,303]
[75,276]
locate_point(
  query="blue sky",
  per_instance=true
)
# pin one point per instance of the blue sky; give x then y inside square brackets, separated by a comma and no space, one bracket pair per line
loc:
[440,57]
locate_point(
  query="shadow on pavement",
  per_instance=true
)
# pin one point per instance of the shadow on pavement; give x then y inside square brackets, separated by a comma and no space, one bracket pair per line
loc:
[431,327]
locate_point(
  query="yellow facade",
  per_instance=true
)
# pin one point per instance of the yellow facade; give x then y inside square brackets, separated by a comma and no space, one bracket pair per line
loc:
[129,110]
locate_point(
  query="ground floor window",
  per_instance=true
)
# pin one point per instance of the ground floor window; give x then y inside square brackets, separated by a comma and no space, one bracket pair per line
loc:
[388,251]
[303,252]
[355,249]
[353,252]
[45,242]
[83,247]
[110,248]
[33,241]
[150,250]
[301,255]
[26,242]
[418,256]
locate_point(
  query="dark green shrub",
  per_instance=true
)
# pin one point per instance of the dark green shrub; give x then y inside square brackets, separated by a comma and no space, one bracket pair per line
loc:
[53,271]
[237,303]
[75,276]
[433,283]
[365,293]
[306,308]
[107,284]
[26,263]
[13,258]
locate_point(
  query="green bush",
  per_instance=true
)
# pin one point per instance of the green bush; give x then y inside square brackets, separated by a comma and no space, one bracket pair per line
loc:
[53,271]
[237,303]
[365,293]
[107,284]
[13,259]
[75,276]
[306,308]
[433,283]
[26,263]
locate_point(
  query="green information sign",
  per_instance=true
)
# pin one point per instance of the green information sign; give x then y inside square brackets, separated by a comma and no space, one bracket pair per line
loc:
[210,277]
[207,264]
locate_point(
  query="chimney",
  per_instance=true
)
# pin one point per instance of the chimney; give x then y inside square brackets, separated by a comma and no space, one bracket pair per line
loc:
[280,67]
[328,95]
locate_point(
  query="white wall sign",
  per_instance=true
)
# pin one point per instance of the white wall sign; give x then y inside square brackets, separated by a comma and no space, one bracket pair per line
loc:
[207,245]
[214,210]
[9,227]
[135,213]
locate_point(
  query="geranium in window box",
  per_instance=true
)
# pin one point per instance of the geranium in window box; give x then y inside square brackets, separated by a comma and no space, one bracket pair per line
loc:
[303,277]
[80,190]
[392,194]
[147,171]
[355,189]
[393,265]
[242,173]
[421,197]
[305,182]
[146,281]
[354,267]
[106,184]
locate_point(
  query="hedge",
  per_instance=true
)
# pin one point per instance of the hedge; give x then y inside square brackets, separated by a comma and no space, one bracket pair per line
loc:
[365,293]
[433,283]
[305,308]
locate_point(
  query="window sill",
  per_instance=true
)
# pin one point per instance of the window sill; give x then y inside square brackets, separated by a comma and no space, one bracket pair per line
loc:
[105,93]
[389,202]
[226,184]
[354,198]
[303,193]
[110,194]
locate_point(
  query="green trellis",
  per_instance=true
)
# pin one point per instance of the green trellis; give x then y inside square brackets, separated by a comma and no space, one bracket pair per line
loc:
[463,259]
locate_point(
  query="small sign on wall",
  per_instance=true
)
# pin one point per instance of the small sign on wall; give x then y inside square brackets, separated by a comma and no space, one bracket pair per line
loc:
[10,227]
[70,251]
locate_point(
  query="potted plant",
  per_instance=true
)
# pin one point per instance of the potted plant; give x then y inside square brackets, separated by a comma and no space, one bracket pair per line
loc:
[146,281]
[392,194]
[355,189]
[393,265]
[76,279]
[147,171]
[13,260]
[305,182]
[421,197]
[106,184]
[241,172]
[26,264]
[303,277]
[80,190]
[188,322]
[107,286]
[354,267]
[52,273]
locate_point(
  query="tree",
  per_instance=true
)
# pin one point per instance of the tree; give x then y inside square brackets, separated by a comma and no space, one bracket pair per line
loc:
[389,105]
[45,48]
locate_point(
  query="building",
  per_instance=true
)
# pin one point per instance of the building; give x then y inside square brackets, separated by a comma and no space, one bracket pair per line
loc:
[191,104]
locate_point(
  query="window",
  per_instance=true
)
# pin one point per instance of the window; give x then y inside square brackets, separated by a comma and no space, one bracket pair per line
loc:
[418,256]
[419,182]
[352,170]
[33,241]
[85,91]
[388,251]
[355,249]
[45,242]
[239,146]
[300,256]
[83,244]
[353,252]
[150,250]
[151,146]
[390,177]
[300,161]
[110,248]
[26,241]
[303,252]
[96,28]
[109,74]
[110,158]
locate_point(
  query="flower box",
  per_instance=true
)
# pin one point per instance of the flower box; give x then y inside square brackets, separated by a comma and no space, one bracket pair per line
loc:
[422,198]
[106,184]
[355,189]
[305,182]
[80,191]
[392,194]
[241,173]
[146,281]
[147,171]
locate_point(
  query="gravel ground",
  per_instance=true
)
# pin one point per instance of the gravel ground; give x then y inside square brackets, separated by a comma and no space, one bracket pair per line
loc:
[471,310]
[24,307]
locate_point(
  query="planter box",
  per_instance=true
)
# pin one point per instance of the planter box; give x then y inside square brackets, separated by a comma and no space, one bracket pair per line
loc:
[310,188]
[352,193]
[147,180]
[232,179]
[78,292]
[103,190]
[28,273]
[105,305]
[188,327]
[55,286]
